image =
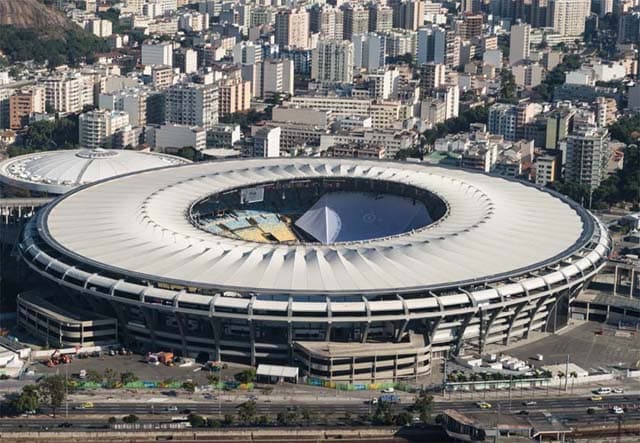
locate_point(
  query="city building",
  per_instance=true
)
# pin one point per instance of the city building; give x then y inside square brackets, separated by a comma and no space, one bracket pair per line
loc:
[369,51]
[326,21]
[519,43]
[568,17]
[292,28]
[380,18]
[588,154]
[547,169]
[266,143]
[133,101]
[97,128]
[355,20]
[223,135]
[171,138]
[333,61]
[431,45]
[408,14]
[68,92]
[192,104]
[157,53]
[23,103]
[234,95]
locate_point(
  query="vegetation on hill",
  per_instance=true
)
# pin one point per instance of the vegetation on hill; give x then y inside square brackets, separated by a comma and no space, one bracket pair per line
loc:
[71,47]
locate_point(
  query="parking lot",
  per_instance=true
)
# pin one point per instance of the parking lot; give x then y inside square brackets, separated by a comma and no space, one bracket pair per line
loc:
[591,346]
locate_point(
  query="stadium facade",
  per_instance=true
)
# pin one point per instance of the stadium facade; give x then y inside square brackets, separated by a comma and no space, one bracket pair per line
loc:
[208,260]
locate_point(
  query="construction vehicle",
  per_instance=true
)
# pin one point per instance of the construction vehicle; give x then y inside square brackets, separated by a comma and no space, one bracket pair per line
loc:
[57,358]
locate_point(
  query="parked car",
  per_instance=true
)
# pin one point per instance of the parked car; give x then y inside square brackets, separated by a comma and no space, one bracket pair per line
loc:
[618,391]
[172,409]
[388,390]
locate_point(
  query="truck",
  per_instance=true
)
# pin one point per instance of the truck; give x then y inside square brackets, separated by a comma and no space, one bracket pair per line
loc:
[389,398]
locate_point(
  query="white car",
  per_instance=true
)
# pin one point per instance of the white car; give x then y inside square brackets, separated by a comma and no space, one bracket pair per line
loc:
[617,410]
[172,409]
[618,391]
[388,390]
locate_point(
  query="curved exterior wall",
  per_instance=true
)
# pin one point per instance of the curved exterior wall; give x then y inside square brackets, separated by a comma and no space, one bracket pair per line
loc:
[381,335]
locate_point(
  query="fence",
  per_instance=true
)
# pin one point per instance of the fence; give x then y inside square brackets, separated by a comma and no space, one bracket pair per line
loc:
[357,386]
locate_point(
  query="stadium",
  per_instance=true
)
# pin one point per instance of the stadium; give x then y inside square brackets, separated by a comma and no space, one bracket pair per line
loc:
[350,269]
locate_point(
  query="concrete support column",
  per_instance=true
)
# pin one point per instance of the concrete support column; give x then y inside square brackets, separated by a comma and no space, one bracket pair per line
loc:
[615,279]
[182,327]
[252,334]
[150,319]
[215,326]
[632,279]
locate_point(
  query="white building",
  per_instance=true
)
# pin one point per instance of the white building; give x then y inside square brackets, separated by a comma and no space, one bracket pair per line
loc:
[132,101]
[192,104]
[369,51]
[101,28]
[157,53]
[519,43]
[165,137]
[277,77]
[247,53]
[96,128]
[68,92]
[332,61]
[568,17]
[266,143]
[587,156]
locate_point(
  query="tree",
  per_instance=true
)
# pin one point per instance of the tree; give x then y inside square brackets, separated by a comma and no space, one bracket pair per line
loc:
[561,375]
[94,376]
[53,391]
[111,378]
[383,414]
[213,379]
[573,375]
[131,418]
[112,420]
[508,86]
[189,386]
[247,411]
[228,419]
[28,400]
[189,153]
[403,418]
[128,377]
[423,405]
[197,421]
[246,376]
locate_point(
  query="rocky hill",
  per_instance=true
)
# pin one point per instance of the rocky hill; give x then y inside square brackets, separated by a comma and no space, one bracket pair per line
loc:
[33,14]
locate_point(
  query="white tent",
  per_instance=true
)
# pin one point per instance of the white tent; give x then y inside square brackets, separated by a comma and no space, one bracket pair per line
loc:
[279,372]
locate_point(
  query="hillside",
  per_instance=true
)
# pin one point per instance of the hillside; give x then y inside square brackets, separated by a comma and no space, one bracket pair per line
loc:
[30,30]
[35,15]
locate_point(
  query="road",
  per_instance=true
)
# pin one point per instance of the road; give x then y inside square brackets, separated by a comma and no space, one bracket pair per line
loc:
[570,410]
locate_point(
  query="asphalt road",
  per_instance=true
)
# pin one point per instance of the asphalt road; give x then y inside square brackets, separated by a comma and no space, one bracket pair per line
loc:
[570,410]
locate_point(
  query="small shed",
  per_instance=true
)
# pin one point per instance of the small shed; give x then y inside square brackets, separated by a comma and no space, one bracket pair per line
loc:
[277,374]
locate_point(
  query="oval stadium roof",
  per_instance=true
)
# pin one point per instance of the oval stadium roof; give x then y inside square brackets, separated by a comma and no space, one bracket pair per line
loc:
[58,172]
[139,226]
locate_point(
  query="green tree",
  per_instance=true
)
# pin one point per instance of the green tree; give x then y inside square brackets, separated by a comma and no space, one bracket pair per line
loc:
[94,376]
[110,377]
[383,414]
[403,418]
[28,400]
[131,418]
[508,86]
[197,421]
[53,391]
[423,406]
[247,412]
[189,386]
[246,376]
[228,420]
[128,377]
[112,420]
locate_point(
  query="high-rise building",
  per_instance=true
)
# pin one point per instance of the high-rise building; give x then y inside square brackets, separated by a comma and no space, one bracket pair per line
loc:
[234,95]
[266,142]
[547,169]
[471,26]
[68,92]
[247,53]
[452,49]
[519,43]
[356,20]
[369,51]
[431,44]
[567,17]
[606,111]
[559,124]
[327,21]
[97,127]
[432,76]
[186,59]
[408,14]
[502,119]
[629,28]
[132,101]
[276,77]
[332,61]
[606,7]
[380,18]
[4,107]
[23,103]
[587,156]
[292,28]
[192,104]
[400,43]
[157,53]
[538,13]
